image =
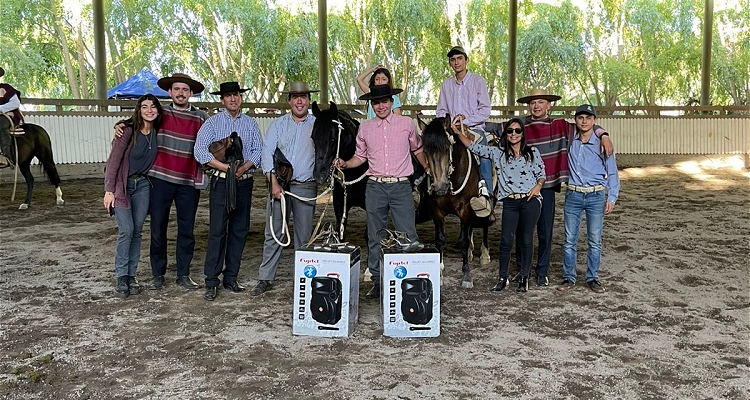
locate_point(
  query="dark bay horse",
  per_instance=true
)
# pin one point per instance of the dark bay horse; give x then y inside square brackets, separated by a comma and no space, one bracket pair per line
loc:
[35,142]
[454,175]
[336,131]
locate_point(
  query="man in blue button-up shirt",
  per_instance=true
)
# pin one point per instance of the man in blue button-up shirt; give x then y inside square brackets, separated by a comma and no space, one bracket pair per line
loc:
[292,134]
[228,229]
[592,174]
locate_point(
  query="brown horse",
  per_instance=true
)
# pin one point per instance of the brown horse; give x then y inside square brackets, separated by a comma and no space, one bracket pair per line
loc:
[35,142]
[454,178]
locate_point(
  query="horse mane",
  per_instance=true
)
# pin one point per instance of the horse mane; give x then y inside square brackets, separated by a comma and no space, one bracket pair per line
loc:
[434,138]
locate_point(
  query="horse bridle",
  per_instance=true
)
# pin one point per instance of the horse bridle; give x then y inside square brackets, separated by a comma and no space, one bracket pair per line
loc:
[451,169]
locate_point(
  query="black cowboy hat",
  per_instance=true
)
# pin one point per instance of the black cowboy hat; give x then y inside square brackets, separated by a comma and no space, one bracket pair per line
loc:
[229,87]
[2,71]
[166,82]
[379,92]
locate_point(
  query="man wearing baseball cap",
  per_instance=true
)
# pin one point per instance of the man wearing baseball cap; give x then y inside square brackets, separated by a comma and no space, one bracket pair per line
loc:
[10,116]
[465,98]
[593,188]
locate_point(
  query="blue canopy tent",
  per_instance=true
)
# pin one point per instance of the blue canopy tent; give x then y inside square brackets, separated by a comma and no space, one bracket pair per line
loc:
[137,85]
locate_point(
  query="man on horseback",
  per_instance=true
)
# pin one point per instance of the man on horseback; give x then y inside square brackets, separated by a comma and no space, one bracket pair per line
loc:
[465,97]
[290,134]
[386,142]
[10,117]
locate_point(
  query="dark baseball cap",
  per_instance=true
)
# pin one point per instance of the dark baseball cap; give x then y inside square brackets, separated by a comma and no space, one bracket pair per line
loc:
[585,109]
[457,50]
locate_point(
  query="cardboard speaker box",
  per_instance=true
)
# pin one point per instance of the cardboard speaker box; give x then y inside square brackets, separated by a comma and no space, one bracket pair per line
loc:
[326,290]
[411,293]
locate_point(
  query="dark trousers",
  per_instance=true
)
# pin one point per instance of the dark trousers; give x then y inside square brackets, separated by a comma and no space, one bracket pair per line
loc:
[544,234]
[519,218]
[185,198]
[227,231]
[6,141]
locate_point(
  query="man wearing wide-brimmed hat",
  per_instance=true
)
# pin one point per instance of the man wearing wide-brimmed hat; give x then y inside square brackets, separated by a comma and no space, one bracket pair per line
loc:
[550,136]
[466,99]
[291,135]
[10,116]
[387,143]
[228,226]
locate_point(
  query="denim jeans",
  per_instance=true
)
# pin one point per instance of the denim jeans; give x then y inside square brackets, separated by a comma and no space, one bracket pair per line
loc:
[129,226]
[575,204]
[485,164]
[519,216]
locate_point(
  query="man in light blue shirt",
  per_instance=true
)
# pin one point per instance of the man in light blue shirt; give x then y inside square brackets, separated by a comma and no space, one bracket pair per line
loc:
[592,174]
[292,135]
[228,228]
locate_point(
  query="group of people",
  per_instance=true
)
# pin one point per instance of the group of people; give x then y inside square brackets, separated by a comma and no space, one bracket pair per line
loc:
[166,155]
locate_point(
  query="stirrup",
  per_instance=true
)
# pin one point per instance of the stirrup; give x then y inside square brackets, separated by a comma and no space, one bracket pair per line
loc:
[396,239]
[481,206]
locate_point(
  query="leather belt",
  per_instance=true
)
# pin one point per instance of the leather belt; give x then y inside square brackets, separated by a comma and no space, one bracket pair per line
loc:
[388,179]
[136,176]
[223,175]
[517,196]
[586,189]
[296,182]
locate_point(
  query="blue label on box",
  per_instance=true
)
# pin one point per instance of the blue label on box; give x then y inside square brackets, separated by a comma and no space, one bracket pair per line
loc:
[310,271]
[399,272]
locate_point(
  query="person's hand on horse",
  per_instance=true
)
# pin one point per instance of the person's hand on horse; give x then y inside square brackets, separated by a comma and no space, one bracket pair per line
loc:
[339,163]
[109,200]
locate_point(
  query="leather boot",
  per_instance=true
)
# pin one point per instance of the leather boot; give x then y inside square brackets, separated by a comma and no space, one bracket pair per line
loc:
[523,285]
[121,288]
[501,284]
[133,286]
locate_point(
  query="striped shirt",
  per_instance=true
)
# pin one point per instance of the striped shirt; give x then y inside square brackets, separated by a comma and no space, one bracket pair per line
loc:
[294,139]
[222,125]
[469,97]
[176,138]
[386,144]
[514,176]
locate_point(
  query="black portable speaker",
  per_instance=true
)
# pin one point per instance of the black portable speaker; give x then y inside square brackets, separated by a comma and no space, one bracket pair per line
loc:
[325,304]
[416,300]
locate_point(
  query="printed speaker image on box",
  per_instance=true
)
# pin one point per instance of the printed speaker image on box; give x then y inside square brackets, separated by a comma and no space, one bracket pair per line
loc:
[411,293]
[326,293]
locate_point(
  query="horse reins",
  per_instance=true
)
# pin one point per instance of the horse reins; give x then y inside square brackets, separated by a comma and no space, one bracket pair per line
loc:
[452,141]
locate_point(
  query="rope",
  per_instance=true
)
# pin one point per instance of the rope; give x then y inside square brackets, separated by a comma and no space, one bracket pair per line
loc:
[284,225]
[468,153]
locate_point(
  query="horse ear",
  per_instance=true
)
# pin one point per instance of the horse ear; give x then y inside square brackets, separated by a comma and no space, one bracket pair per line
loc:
[447,123]
[315,108]
[333,108]
[420,123]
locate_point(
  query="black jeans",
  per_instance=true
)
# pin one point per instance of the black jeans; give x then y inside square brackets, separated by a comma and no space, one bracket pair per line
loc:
[227,231]
[519,215]
[544,234]
[185,198]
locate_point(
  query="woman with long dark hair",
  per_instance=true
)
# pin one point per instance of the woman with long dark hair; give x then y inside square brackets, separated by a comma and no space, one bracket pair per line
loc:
[379,75]
[127,188]
[520,174]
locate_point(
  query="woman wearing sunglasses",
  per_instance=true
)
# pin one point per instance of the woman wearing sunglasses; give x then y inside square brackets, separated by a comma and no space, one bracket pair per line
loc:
[520,174]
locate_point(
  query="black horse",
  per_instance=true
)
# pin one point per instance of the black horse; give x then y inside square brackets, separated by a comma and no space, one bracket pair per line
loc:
[35,142]
[454,177]
[336,131]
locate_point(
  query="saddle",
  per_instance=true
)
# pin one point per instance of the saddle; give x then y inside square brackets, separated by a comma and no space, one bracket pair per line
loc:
[229,151]
[284,169]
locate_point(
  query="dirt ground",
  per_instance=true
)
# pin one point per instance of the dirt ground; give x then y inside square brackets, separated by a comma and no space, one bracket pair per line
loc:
[673,323]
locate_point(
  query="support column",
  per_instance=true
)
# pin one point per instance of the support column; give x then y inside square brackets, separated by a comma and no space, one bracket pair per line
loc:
[323,50]
[512,39]
[708,25]
[100,55]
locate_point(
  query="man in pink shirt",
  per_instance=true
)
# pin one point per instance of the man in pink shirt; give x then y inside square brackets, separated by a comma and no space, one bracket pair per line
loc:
[386,143]
[466,99]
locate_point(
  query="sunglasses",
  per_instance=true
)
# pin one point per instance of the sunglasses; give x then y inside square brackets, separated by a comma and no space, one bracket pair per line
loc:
[511,131]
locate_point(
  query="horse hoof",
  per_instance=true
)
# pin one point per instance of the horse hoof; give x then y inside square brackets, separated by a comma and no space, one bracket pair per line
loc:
[471,257]
[23,206]
[467,284]
[484,261]
[60,202]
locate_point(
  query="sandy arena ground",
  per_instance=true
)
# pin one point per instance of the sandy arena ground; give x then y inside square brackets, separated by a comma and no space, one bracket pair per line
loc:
[673,323]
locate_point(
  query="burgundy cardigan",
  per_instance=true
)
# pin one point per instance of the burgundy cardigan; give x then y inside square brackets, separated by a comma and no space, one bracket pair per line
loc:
[118,165]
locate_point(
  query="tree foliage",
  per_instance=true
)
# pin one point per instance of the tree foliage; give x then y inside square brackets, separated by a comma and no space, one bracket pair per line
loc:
[608,52]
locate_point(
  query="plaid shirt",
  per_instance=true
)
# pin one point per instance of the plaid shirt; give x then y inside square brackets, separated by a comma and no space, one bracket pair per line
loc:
[386,144]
